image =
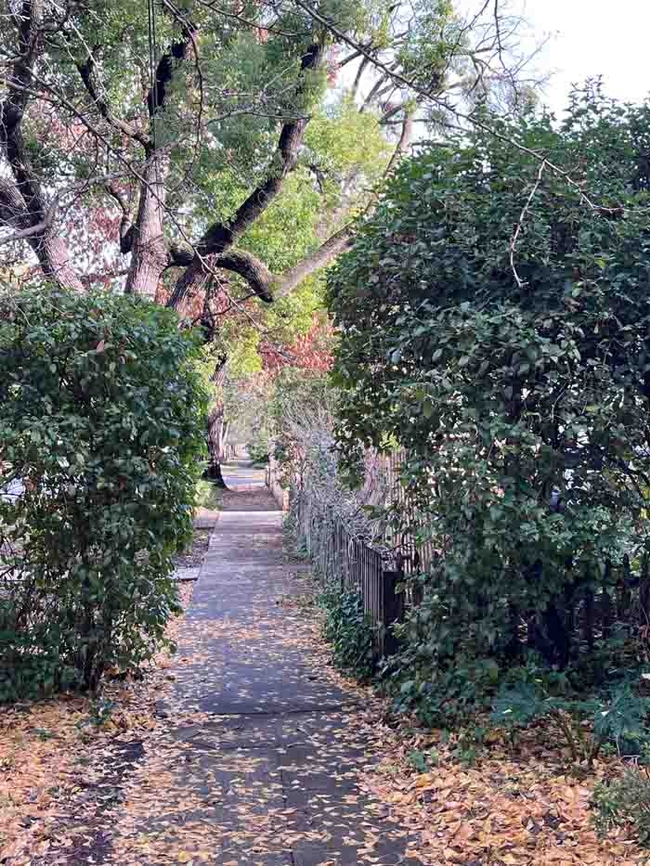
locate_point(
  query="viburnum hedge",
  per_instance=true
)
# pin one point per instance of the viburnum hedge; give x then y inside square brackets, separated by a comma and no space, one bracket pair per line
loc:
[521,394]
[100,438]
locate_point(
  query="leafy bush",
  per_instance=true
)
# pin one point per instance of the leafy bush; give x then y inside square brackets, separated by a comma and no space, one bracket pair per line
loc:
[349,631]
[100,428]
[259,450]
[514,371]
[585,725]
[625,801]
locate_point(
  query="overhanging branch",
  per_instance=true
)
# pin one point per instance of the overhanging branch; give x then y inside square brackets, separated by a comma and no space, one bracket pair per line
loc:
[320,258]
[241,262]
[97,92]
[254,271]
[221,237]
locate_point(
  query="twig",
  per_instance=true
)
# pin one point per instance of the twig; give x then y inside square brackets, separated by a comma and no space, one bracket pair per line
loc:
[520,223]
[427,93]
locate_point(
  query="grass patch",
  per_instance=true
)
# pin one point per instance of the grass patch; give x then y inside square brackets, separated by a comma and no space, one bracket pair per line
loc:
[208,495]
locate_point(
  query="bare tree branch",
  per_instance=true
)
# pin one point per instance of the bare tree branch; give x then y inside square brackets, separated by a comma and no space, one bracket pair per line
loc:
[50,249]
[520,224]
[11,213]
[403,143]
[434,96]
[126,223]
[96,91]
[220,237]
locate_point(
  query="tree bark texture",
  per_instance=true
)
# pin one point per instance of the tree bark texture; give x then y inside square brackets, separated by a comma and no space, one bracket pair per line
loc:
[23,204]
[149,256]
[149,253]
[215,437]
[216,426]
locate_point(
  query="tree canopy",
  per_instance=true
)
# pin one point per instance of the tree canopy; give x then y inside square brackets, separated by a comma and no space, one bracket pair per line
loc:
[164,131]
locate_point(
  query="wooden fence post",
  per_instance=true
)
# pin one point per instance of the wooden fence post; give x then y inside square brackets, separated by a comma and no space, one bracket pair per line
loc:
[392,606]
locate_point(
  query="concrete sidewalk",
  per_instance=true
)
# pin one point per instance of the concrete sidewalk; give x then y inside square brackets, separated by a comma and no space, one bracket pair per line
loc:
[259,763]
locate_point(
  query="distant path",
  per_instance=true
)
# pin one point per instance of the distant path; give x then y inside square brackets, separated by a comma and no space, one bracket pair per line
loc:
[259,763]
[240,474]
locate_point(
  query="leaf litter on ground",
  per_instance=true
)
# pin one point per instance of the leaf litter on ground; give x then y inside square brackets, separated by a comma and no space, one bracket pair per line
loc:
[62,762]
[84,782]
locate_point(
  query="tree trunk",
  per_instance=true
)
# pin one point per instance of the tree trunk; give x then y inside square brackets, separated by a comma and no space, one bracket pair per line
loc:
[215,435]
[149,256]
[23,203]
[52,252]
[216,426]
[49,247]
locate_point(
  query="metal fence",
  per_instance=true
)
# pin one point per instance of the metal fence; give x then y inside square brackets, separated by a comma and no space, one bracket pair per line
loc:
[591,609]
[366,555]
[339,555]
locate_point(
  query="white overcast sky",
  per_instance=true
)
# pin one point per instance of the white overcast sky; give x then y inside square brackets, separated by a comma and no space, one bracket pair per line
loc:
[588,38]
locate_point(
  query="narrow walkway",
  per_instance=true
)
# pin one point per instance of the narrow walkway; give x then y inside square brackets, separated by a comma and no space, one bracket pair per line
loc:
[259,765]
[241,474]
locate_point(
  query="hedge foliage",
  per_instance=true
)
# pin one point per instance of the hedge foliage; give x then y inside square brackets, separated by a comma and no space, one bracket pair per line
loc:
[521,394]
[101,430]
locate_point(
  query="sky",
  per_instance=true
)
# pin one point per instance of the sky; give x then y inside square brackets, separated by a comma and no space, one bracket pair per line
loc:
[589,38]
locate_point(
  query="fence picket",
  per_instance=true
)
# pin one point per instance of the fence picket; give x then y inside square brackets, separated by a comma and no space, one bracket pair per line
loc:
[585,613]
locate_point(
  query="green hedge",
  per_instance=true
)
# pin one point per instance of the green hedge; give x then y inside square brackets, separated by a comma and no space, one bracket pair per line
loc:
[101,423]
[496,325]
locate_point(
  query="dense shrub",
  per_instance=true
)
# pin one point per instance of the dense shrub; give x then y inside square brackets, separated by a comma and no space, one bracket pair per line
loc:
[100,428]
[514,368]
[259,450]
[348,630]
